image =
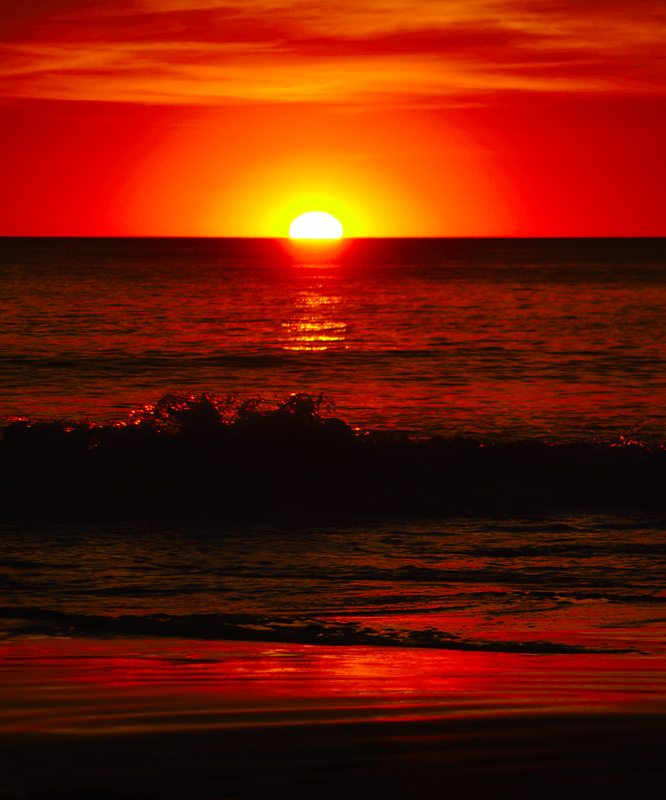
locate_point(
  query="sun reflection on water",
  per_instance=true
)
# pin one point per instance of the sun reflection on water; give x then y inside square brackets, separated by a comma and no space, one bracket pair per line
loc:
[313,325]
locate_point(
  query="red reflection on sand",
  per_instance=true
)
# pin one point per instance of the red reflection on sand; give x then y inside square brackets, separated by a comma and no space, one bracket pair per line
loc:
[125,684]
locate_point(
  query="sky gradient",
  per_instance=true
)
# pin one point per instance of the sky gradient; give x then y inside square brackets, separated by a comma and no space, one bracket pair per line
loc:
[424,118]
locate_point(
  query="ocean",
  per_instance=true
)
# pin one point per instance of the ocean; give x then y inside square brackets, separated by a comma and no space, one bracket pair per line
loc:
[499,338]
[381,515]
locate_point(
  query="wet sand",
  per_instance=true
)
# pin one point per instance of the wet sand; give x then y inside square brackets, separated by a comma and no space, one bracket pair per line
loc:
[159,718]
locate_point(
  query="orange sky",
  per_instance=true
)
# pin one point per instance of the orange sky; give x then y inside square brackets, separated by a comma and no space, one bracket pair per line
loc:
[401,117]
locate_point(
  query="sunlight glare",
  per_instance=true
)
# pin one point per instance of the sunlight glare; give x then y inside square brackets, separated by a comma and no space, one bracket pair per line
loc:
[315,225]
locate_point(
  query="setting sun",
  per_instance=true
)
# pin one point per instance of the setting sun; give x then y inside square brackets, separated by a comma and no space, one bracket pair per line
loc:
[315,225]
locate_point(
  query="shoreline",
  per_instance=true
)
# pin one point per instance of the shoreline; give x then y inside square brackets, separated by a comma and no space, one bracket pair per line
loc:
[141,718]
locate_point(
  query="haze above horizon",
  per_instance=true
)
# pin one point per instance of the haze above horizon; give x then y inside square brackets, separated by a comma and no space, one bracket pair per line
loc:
[420,119]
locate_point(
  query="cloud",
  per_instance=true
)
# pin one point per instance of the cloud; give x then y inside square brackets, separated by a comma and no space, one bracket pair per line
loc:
[390,51]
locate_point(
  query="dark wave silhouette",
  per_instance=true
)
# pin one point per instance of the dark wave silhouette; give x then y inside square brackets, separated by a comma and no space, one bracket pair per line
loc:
[209,457]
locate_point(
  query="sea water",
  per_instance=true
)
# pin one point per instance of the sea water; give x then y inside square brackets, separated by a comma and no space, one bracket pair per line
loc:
[480,344]
[495,338]
[567,583]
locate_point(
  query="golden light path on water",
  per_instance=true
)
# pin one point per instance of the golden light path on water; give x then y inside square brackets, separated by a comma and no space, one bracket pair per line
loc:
[314,324]
[312,327]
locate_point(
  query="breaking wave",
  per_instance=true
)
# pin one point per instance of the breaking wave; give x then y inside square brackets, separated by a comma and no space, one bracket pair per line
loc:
[205,456]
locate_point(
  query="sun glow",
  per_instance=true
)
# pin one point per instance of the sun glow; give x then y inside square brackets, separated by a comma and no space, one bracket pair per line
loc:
[315,225]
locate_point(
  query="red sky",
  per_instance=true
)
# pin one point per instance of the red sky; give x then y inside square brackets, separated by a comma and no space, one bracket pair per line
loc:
[401,117]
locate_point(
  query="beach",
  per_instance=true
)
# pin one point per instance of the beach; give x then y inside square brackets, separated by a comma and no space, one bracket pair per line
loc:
[332,400]
[131,718]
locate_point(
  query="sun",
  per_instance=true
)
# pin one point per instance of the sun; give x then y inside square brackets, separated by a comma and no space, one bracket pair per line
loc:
[315,225]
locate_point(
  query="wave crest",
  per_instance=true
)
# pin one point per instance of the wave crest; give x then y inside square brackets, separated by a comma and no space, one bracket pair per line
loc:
[209,456]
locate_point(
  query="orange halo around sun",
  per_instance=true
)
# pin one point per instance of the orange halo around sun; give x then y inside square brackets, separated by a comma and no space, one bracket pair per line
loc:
[315,225]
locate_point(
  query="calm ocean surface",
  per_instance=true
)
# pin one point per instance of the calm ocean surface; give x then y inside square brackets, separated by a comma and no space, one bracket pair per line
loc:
[500,339]
[496,339]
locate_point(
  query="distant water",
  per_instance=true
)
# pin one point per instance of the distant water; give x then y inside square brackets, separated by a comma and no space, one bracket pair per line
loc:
[494,338]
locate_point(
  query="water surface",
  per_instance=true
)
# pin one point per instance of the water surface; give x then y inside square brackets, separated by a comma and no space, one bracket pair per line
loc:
[499,338]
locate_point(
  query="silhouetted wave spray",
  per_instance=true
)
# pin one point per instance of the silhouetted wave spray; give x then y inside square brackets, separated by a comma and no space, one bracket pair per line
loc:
[214,457]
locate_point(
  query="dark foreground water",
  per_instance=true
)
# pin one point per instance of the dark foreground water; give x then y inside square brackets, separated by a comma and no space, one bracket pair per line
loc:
[565,583]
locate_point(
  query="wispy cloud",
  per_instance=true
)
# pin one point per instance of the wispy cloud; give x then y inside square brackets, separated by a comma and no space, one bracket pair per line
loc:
[207,51]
